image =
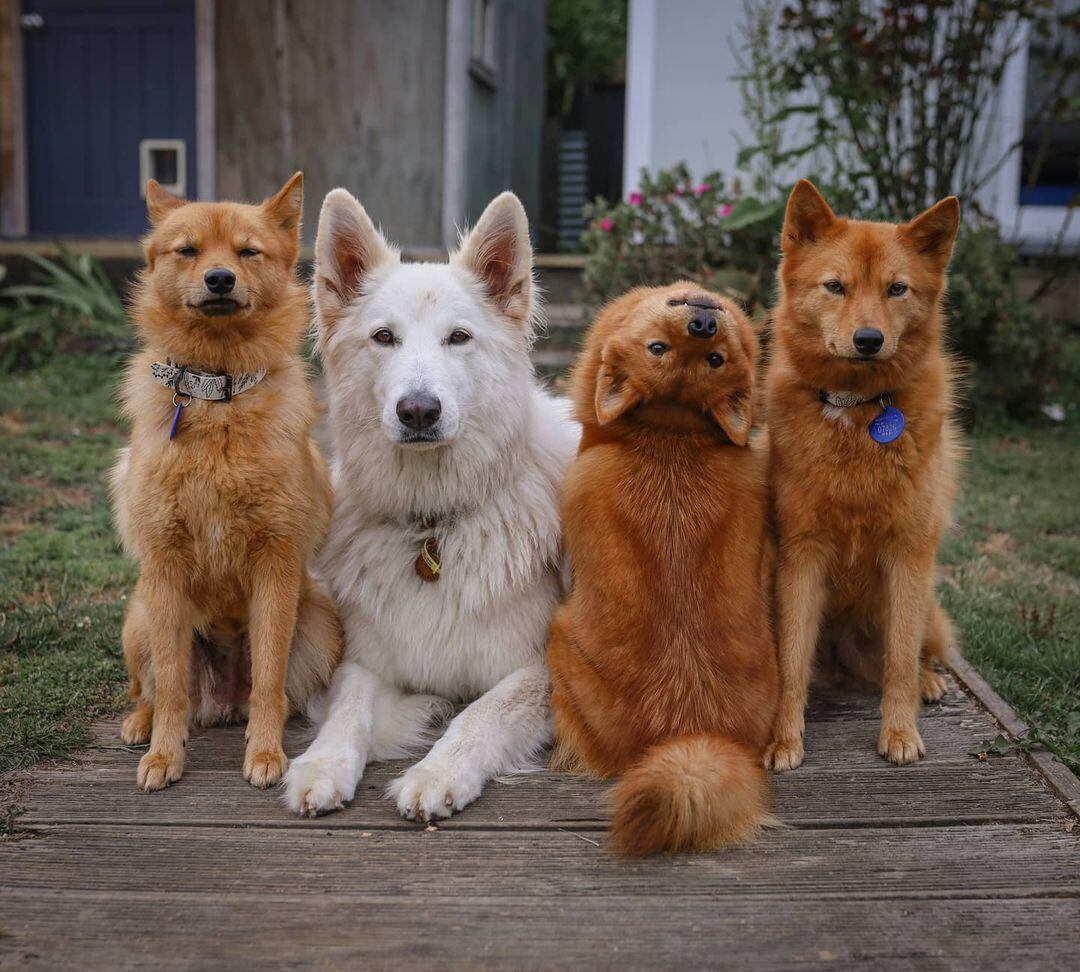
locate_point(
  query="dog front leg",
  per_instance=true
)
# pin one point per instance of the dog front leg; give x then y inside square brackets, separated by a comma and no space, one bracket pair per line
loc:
[800,597]
[909,581]
[275,593]
[325,777]
[170,634]
[498,733]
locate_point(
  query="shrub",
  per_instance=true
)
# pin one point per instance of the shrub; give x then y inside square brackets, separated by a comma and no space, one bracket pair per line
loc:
[674,227]
[70,306]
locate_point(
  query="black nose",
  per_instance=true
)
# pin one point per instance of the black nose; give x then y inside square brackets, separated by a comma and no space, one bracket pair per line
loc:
[868,340]
[220,281]
[419,411]
[702,326]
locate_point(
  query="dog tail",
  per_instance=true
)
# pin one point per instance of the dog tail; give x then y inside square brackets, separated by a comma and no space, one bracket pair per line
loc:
[690,793]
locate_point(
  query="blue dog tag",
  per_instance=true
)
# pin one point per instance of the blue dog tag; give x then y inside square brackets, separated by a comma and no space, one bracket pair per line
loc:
[888,426]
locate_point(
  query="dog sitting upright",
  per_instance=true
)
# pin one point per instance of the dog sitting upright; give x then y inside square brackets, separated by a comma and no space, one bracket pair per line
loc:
[662,660]
[864,461]
[221,495]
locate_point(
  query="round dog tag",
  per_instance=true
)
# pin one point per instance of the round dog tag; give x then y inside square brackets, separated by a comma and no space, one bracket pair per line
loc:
[888,426]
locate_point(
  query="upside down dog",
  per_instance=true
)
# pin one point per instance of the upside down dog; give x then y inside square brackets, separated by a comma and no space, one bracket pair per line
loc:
[662,658]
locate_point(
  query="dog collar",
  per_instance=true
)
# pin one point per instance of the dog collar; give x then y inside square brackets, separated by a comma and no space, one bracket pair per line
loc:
[846,399]
[887,427]
[210,387]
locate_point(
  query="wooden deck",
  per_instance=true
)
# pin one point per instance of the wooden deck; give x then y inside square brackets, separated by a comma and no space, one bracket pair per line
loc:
[948,863]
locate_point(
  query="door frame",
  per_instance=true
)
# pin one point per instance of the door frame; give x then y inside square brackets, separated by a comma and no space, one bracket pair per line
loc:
[14,179]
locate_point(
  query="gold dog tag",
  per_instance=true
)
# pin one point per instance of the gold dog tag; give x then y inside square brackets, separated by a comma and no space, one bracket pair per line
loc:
[428,565]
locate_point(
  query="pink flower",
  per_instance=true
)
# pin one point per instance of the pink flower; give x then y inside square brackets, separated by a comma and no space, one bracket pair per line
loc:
[702,189]
[636,199]
[725,211]
[680,191]
[606,225]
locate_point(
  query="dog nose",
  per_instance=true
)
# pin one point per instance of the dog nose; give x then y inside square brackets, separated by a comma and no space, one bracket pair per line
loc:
[868,340]
[702,326]
[419,412]
[220,281]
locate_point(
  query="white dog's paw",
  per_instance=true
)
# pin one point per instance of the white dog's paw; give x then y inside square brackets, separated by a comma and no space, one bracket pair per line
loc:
[433,791]
[319,784]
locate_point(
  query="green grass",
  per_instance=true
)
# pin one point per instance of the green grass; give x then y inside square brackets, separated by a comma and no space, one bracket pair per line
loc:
[1011,571]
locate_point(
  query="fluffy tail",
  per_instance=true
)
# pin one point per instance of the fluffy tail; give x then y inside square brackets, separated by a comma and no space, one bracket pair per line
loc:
[691,793]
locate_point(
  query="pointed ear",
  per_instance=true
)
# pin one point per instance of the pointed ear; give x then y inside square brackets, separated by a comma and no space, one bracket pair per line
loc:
[807,216]
[735,416]
[160,202]
[286,206]
[615,396]
[499,254]
[934,232]
[347,249]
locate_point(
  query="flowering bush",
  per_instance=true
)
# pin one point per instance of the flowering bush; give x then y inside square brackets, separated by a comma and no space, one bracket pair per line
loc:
[675,227]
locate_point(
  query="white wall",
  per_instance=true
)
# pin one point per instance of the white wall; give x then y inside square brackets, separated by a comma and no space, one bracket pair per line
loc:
[681,101]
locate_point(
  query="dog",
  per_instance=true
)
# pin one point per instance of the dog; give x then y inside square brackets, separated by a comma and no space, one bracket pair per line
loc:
[444,550]
[662,659]
[864,461]
[221,495]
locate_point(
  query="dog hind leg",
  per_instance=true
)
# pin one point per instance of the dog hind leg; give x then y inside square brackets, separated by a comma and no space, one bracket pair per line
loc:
[135,638]
[316,650]
[501,732]
[939,646]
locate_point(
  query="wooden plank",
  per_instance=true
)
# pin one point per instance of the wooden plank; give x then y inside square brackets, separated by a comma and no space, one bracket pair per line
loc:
[878,795]
[999,860]
[14,217]
[305,930]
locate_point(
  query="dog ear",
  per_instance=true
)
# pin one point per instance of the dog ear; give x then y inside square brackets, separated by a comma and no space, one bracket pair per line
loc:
[807,216]
[735,416]
[615,395]
[934,232]
[348,247]
[160,202]
[286,206]
[499,253]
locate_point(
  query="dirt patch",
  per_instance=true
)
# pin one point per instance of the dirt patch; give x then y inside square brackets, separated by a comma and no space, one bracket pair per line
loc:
[12,423]
[43,496]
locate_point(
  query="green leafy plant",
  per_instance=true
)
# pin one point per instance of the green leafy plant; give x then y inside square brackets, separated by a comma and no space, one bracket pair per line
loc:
[70,305]
[1064,746]
[673,227]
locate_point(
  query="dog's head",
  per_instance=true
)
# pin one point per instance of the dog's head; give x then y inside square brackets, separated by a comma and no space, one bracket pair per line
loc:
[425,351]
[678,358]
[860,299]
[219,288]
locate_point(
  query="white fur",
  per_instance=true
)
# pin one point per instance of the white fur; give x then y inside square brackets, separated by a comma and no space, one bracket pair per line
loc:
[492,482]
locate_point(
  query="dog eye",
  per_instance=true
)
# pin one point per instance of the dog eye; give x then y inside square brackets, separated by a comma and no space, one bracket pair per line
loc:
[658,348]
[249,252]
[715,360]
[834,286]
[383,336]
[188,251]
[897,289]
[459,337]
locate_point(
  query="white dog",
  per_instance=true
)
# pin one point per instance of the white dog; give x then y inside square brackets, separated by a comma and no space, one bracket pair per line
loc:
[444,548]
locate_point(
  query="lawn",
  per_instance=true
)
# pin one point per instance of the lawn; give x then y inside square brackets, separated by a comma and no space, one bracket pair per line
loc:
[1010,570]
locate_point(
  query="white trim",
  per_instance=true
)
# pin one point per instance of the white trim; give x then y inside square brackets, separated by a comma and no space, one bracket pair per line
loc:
[456,118]
[641,44]
[205,101]
[147,148]
[1032,228]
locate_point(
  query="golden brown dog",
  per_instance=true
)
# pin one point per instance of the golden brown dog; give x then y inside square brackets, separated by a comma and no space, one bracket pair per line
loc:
[222,495]
[662,660]
[864,460]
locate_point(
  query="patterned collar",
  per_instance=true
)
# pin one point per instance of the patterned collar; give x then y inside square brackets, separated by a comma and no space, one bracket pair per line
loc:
[211,387]
[846,399]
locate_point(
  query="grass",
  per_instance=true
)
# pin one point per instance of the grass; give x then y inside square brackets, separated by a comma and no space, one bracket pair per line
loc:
[1011,571]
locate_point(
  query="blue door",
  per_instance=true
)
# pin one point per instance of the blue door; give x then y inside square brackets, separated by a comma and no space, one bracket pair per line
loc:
[103,76]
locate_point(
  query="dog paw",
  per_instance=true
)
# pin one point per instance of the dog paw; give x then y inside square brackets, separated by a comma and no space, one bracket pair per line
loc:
[135,729]
[901,745]
[263,769]
[784,754]
[933,685]
[318,785]
[157,769]
[429,792]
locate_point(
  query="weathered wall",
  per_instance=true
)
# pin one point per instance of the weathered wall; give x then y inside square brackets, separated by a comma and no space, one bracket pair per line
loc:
[350,91]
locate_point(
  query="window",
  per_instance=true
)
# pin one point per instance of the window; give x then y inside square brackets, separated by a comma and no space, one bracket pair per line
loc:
[482,61]
[165,160]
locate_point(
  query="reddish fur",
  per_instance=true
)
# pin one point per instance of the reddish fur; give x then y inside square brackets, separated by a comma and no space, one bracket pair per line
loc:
[224,519]
[662,659]
[858,522]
